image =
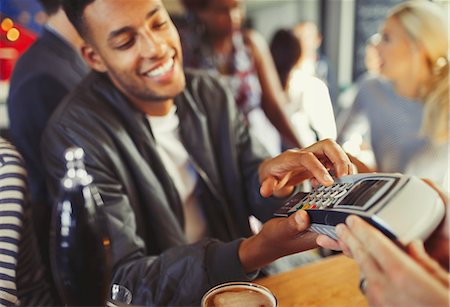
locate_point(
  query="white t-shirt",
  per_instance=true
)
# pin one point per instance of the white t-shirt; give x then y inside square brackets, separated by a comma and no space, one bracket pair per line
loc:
[176,161]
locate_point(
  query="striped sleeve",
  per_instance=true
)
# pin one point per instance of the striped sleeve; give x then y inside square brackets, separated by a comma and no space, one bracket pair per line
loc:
[12,189]
[21,270]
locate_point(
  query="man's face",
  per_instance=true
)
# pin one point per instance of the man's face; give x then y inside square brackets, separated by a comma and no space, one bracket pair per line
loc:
[137,45]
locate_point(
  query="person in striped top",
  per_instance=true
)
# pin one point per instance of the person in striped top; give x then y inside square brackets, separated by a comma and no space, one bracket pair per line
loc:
[21,270]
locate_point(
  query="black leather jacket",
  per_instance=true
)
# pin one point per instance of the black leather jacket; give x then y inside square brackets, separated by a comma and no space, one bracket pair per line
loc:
[150,254]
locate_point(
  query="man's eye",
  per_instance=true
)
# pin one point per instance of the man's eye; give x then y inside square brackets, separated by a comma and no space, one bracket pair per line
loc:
[126,44]
[160,25]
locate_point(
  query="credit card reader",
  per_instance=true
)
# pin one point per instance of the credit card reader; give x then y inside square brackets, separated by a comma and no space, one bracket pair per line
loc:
[403,207]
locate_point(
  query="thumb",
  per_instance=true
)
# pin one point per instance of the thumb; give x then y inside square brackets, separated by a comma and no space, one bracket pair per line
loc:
[298,222]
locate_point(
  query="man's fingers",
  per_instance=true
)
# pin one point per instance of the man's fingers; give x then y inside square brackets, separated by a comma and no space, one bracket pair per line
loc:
[295,165]
[341,162]
[281,184]
[316,168]
[267,186]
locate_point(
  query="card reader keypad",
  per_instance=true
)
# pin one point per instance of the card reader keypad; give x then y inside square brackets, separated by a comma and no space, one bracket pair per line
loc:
[322,197]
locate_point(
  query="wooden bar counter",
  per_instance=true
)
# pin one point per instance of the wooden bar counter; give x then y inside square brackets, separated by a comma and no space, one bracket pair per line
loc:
[333,281]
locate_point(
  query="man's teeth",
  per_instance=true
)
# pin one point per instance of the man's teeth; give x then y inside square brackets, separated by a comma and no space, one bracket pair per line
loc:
[161,69]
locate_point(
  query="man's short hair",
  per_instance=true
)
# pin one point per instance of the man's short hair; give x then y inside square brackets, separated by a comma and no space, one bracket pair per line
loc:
[50,6]
[74,10]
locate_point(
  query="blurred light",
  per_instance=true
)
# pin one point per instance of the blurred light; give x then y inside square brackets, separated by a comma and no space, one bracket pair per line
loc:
[24,18]
[13,34]
[106,242]
[7,24]
[40,18]
[8,53]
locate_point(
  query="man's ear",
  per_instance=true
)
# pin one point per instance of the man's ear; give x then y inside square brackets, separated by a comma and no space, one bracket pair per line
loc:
[92,58]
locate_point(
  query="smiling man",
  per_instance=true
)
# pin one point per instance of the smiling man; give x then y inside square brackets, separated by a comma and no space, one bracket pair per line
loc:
[178,172]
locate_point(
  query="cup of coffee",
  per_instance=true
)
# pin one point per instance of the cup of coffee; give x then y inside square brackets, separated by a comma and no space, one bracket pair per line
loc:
[237,294]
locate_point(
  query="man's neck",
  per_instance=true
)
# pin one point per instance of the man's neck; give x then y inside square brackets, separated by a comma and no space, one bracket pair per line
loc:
[150,107]
[155,109]
[59,23]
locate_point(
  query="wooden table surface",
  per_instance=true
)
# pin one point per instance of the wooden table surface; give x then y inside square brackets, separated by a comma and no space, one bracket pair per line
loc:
[333,281]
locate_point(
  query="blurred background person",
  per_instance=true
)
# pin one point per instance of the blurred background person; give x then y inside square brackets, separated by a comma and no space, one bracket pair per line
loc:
[313,61]
[309,108]
[414,54]
[408,109]
[42,76]
[372,64]
[352,121]
[213,38]
[382,128]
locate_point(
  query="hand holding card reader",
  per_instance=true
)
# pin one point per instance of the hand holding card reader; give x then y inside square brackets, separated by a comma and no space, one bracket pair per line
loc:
[403,207]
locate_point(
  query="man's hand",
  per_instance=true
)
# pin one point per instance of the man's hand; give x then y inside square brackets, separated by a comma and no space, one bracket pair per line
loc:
[279,175]
[279,237]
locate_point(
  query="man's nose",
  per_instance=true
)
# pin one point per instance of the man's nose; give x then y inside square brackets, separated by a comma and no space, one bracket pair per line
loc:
[152,45]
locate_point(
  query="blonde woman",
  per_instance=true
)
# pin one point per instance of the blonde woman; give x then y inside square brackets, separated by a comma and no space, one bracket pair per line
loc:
[414,57]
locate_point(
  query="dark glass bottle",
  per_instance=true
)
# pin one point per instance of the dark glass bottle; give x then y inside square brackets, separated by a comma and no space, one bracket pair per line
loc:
[80,246]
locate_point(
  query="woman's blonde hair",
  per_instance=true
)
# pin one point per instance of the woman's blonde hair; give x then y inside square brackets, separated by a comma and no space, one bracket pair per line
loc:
[426,24]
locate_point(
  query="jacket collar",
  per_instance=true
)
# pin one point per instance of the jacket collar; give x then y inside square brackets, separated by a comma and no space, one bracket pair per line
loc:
[139,130]
[193,130]
[197,140]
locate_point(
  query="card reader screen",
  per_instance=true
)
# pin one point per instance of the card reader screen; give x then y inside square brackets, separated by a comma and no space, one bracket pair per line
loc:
[362,192]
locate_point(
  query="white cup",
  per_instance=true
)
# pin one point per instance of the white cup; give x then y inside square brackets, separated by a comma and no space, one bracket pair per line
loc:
[239,294]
